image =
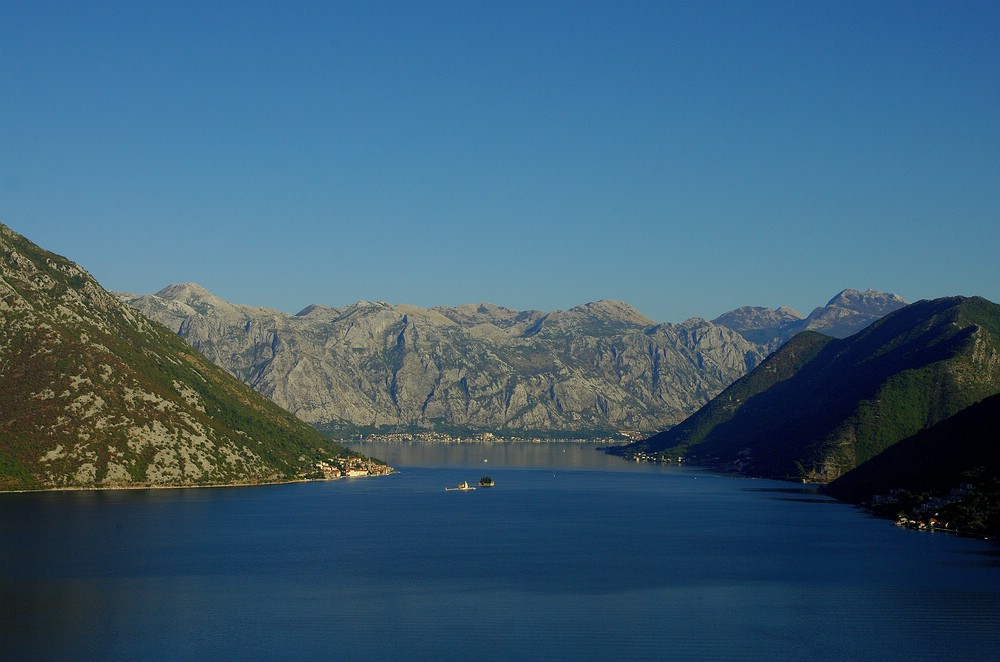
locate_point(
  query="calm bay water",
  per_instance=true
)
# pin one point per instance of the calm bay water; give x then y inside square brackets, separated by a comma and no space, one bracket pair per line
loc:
[573,555]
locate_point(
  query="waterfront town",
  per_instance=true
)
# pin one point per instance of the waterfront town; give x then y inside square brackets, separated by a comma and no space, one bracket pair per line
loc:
[350,467]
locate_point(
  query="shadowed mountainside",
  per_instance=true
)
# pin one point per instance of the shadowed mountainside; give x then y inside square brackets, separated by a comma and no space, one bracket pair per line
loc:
[820,407]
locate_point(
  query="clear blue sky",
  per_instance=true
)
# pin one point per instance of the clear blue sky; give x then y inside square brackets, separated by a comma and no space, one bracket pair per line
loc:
[685,157]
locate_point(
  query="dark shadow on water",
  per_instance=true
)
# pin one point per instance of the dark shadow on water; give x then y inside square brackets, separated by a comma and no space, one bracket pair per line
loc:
[809,489]
[809,494]
[988,558]
[822,500]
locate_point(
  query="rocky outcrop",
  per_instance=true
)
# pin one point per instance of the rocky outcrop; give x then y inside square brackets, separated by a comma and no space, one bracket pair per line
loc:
[599,366]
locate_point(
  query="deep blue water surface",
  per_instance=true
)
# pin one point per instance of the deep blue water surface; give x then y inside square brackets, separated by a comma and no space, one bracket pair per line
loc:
[573,555]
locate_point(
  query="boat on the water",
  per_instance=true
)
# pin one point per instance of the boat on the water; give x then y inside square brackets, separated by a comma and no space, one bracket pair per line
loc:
[461,487]
[486,481]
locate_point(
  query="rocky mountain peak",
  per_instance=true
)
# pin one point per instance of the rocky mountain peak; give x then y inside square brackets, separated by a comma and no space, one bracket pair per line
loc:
[317,310]
[758,317]
[614,311]
[851,311]
[191,294]
[867,302]
[185,291]
[488,315]
[791,313]
[428,316]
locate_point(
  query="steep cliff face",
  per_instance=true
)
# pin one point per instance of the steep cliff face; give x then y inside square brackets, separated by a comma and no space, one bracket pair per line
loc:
[600,366]
[94,394]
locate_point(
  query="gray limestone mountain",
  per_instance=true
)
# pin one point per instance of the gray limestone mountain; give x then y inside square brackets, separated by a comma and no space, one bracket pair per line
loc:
[844,315]
[849,312]
[93,394]
[598,367]
[761,325]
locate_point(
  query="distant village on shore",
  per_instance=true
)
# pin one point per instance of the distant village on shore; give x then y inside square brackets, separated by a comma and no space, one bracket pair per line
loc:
[617,439]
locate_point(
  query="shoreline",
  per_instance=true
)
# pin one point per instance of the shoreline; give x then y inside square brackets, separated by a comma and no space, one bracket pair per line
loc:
[415,439]
[118,488]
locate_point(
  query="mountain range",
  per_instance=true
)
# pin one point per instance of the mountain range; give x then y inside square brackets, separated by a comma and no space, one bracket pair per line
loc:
[597,368]
[94,394]
[899,410]
[894,405]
